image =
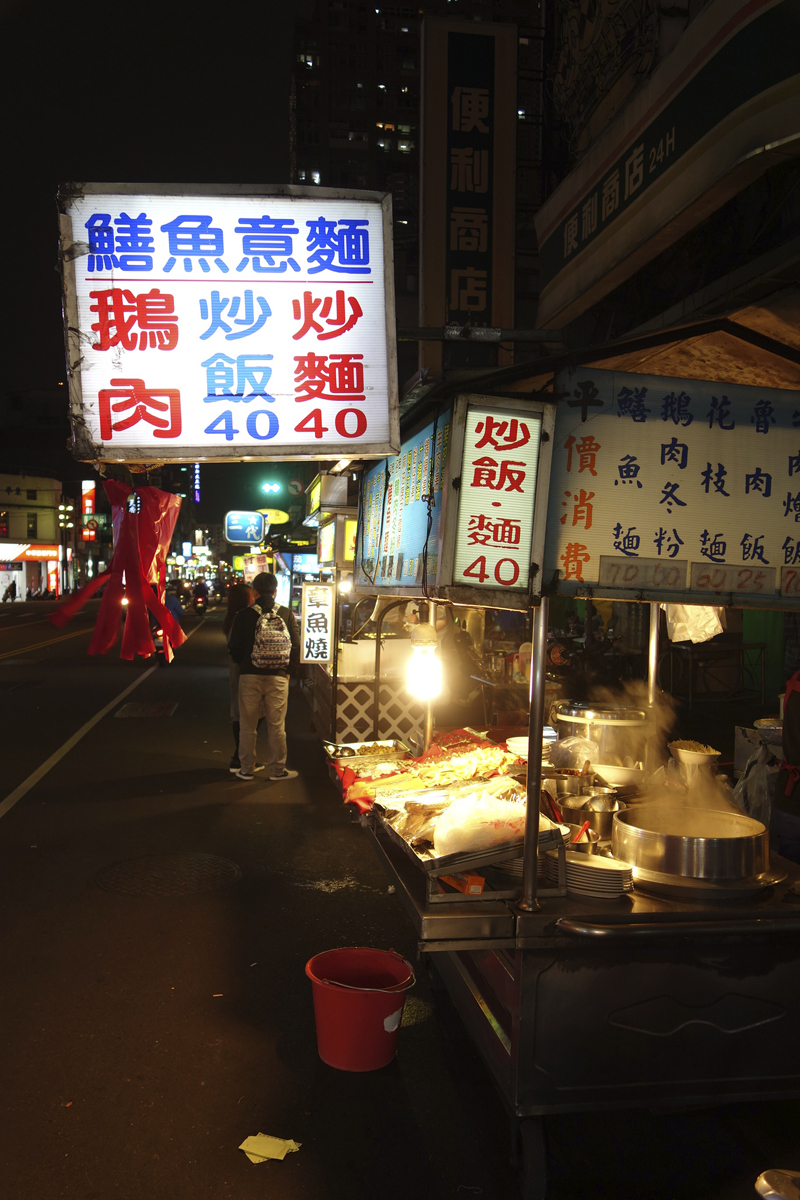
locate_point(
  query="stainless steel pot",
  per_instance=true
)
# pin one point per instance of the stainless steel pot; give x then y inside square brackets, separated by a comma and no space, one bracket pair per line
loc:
[573,808]
[680,840]
[619,732]
[568,785]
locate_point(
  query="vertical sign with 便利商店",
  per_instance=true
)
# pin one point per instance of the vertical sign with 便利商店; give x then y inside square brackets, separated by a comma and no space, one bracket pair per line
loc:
[679,488]
[316,623]
[212,323]
[496,499]
[468,162]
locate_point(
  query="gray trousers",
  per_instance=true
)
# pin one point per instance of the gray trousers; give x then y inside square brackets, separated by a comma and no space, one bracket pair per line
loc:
[263,696]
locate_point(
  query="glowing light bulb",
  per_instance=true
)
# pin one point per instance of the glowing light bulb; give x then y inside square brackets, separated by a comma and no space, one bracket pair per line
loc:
[424,670]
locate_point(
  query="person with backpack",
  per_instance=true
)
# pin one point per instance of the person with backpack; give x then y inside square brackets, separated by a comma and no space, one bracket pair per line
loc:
[265,642]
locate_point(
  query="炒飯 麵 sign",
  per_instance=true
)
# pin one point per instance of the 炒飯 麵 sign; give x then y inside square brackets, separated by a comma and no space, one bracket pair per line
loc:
[487,473]
[675,488]
[316,623]
[496,508]
[228,323]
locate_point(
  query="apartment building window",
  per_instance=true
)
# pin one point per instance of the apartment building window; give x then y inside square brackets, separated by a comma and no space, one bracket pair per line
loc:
[31,493]
[33,525]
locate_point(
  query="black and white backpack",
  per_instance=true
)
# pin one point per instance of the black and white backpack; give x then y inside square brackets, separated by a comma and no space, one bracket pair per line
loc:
[272,644]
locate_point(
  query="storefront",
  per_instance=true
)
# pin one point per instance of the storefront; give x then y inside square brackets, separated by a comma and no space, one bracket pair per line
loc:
[31,568]
[604,886]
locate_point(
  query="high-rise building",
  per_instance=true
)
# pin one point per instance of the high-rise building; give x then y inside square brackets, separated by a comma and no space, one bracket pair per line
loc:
[356,123]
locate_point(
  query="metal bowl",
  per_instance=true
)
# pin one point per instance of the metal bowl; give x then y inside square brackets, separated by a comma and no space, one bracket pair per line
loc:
[696,843]
[587,847]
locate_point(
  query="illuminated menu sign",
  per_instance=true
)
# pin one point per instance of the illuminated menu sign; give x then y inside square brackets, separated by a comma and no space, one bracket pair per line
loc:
[316,623]
[496,498]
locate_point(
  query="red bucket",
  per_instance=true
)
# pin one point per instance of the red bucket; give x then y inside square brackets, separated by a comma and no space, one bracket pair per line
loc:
[358,1005]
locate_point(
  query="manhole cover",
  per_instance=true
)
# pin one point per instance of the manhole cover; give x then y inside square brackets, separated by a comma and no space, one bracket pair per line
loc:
[169,875]
[156,708]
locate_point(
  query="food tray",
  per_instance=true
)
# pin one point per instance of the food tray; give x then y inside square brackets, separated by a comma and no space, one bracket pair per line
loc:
[448,864]
[388,750]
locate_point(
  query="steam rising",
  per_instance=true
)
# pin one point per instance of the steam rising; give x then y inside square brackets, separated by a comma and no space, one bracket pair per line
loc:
[671,782]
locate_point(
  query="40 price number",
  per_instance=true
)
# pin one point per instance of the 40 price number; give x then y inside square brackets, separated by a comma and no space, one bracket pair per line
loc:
[263,424]
[506,571]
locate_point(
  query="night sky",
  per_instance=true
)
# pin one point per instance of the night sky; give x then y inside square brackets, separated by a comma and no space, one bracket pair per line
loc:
[146,92]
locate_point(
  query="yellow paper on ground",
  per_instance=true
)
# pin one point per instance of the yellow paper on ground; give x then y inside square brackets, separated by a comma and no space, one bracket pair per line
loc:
[261,1146]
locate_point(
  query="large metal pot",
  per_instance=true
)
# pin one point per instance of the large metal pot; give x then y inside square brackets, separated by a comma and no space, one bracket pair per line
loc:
[619,732]
[705,844]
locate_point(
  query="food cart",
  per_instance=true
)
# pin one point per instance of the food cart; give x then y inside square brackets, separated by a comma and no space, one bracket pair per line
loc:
[683,988]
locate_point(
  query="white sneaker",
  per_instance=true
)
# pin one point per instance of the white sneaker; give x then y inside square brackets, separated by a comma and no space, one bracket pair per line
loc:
[285,774]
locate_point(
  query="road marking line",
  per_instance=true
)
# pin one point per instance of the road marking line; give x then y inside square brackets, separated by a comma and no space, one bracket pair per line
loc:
[40,772]
[10,628]
[39,645]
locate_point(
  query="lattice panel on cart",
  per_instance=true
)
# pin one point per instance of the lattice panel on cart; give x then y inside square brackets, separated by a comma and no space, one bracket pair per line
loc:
[401,716]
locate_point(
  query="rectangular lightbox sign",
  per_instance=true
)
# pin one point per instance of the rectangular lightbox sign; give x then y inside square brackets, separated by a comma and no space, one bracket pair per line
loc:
[316,623]
[685,489]
[244,528]
[228,322]
[497,497]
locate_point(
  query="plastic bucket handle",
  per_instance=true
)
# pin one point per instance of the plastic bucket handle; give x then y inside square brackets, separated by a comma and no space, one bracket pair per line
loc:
[404,984]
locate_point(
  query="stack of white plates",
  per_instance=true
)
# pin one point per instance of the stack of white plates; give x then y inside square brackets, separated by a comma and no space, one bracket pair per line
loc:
[591,874]
[519,746]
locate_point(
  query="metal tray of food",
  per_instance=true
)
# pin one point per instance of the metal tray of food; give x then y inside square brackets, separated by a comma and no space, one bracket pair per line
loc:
[360,752]
[447,864]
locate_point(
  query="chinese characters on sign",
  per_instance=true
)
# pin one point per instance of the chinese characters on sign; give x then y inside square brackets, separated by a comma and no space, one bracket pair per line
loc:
[470,155]
[679,476]
[244,528]
[496,497]
[316,623]
[239,325]
[619,187]
[394,515]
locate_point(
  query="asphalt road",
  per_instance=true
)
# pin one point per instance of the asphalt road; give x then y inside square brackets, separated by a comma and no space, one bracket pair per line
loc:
[143,1037]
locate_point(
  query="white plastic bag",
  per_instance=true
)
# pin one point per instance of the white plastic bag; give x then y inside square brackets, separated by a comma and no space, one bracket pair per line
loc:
[692,622]
[476,823]
[755,790]
[573,752]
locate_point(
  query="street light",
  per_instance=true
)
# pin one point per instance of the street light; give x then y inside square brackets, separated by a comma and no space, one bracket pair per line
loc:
[270,487]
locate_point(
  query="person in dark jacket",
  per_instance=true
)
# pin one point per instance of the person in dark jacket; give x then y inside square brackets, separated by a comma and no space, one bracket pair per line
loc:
[240,596]
[263,690]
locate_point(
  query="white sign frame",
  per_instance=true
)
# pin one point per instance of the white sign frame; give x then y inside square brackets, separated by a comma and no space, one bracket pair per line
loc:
[751,583]
[495,597]
[304,614]
[86,449]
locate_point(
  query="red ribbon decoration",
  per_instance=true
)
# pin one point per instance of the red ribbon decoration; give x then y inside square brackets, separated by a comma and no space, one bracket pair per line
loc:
[141,544]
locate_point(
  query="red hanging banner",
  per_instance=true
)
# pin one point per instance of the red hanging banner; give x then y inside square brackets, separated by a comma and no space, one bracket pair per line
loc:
[143,520]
